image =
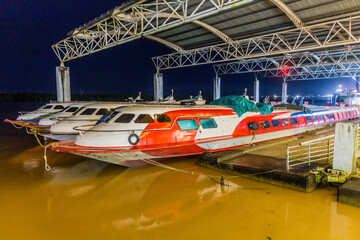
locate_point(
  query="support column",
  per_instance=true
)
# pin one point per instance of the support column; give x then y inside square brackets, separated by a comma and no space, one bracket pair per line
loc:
[217,82]
[63,84]
[256,90]
[345,147]
[284,92]
[158,87]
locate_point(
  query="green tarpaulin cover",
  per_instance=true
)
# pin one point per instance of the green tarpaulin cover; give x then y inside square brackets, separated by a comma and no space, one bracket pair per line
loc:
[242,105]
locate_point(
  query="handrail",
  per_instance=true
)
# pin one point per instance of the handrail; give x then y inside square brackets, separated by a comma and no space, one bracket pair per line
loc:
[310,151]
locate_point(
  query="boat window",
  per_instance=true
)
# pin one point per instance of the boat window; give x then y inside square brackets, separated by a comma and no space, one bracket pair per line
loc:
[321,117]
[47,107]
[78,111]
[59,107]
[326,117]
[308,119]
[72,109]
[293,121]
[125,118]
[187,124]
[275,123]
[208,123]
[144,118]
[285,122]
[315,118]
[331,116]
[162,118]
[253,125]
[102,111]
[111,116]
[264,124]
[88,111]
[344,114]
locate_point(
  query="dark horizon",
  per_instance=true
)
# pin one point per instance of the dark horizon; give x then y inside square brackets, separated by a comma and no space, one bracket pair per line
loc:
[28,31]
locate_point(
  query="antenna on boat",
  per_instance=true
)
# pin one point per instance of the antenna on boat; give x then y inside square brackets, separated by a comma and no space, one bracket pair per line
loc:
[244,95]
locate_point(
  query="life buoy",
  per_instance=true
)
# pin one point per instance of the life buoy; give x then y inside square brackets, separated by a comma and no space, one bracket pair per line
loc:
[133,139]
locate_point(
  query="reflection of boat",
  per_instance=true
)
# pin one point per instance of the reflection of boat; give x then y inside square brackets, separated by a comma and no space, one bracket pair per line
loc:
[87,115]
[33,117]
[129,198]
[139,133]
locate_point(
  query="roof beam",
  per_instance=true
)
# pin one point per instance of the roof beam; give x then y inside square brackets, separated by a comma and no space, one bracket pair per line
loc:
[166,43]
[290,13]
[308,38]
[341,57]
[215,31]
[130,22]
[317,72]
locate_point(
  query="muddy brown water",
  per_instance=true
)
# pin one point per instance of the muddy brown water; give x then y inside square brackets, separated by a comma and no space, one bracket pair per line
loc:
[81,198]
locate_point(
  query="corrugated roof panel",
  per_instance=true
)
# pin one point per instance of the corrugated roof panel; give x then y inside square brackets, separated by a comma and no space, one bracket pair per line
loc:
[308,10]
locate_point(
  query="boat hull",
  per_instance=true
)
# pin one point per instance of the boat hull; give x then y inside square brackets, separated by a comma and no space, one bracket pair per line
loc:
[133,157]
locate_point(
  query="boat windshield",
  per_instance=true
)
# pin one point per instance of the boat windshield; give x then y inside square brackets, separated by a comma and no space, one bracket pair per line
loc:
[47,107]
[111,116]
[76,112]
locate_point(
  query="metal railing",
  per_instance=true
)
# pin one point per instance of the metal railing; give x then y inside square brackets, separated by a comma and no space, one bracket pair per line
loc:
[309,152]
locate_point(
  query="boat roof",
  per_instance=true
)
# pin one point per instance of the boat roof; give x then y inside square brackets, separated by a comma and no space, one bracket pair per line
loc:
[108,104]
[163,108]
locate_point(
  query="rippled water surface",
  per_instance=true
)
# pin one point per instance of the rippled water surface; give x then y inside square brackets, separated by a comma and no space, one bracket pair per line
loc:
[87,199]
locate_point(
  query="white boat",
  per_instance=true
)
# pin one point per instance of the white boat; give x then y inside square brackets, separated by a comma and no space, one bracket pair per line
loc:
[86,117]
[67,112]
[33,117]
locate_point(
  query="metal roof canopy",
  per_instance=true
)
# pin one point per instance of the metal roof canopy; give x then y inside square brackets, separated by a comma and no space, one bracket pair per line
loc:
[241,29]
[299,66]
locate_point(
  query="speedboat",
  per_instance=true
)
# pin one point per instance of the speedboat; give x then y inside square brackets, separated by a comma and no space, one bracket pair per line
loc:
[67,112]
[86,116]
[134,135]
[33,117]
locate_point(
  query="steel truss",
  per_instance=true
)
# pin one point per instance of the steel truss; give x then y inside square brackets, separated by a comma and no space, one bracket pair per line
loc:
[314,72]
[350,54]
[300,66]
[325,35]
[127,23]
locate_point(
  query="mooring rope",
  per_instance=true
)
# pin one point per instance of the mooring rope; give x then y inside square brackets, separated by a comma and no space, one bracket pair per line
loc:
[223,180]
[35,131]
[17,127]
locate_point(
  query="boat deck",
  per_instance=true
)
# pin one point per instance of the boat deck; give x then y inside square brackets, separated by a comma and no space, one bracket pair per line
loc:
[266,162]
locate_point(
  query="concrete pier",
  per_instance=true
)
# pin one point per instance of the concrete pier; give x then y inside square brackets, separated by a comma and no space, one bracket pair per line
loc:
[349,193]
[63,84]
[266,162]
[256,90]
[217,82]
[284,92]
[158,87]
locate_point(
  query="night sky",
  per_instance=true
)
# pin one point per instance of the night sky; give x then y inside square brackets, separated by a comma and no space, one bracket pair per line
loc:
[29,28]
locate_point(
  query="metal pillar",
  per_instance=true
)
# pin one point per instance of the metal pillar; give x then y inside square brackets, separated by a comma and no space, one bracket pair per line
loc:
[256,90]
[63,84]
[158,87]
[217,82]
[284,92]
